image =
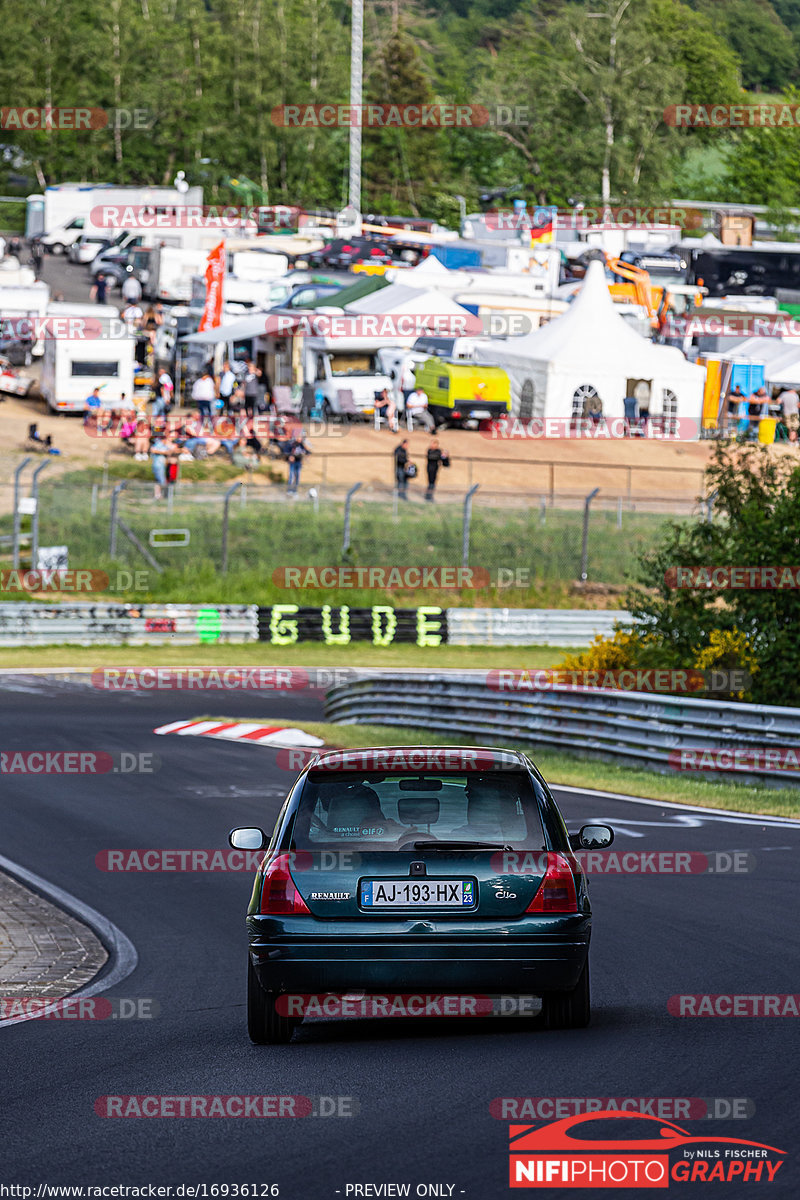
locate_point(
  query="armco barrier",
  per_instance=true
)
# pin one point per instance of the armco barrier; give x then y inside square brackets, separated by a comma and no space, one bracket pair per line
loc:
[530,626]
[636,728]
[88,624]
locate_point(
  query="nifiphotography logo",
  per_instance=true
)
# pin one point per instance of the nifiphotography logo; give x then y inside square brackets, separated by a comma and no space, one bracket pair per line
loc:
[581,1151]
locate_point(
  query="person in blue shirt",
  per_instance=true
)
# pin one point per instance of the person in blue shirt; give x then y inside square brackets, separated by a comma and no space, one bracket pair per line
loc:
[92,406]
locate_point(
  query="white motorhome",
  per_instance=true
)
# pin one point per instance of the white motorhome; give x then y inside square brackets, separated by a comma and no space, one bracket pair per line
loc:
[334,365]
[101,355]
[170,272]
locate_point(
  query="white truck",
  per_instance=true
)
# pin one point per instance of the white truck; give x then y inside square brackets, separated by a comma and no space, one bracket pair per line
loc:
[99,354]
[66,209]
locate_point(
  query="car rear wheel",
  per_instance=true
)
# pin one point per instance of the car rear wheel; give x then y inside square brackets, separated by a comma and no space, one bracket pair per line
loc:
[569,1010]
[264,1024]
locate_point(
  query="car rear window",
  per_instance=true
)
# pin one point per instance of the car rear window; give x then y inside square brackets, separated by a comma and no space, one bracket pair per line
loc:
[369,809]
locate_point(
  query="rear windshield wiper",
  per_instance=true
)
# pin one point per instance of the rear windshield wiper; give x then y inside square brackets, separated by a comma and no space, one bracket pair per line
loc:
[454,845]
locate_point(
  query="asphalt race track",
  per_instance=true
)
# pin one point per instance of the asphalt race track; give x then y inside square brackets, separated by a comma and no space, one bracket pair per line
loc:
[422,1089]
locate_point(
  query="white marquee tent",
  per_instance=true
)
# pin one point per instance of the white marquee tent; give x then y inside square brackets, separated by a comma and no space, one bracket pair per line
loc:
[590,352]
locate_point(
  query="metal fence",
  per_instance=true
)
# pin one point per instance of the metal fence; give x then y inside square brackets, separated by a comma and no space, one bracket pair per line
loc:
[526,543]
[629,727]
[90,624]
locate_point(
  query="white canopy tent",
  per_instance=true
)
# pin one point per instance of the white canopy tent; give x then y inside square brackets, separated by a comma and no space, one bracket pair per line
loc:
[590,353]
[780,357]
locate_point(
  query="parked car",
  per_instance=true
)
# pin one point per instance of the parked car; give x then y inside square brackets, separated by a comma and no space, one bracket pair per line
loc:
[87,247]
[425,869]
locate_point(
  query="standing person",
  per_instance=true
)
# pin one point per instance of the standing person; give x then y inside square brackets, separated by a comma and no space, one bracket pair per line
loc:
[407,381]
[160,451]
[164,389]
[298,450]
[36,256]
[227,385]
[132,315]
[252,388]
[790,411]
[98,292]
[436,458]
[204,393]
[400,469]
[759,408]
[417,409]
[730,408]
[131,290]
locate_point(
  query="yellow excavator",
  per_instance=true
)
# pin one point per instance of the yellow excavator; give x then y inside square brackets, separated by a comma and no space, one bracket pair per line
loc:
[657,301]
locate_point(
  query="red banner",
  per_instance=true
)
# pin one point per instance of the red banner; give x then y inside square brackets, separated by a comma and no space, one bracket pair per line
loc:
[215,275]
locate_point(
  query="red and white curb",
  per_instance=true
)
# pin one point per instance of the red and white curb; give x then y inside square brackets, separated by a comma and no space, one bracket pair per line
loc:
[243,731]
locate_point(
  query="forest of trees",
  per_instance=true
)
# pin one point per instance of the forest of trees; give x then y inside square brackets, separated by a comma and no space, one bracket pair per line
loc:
[592,78]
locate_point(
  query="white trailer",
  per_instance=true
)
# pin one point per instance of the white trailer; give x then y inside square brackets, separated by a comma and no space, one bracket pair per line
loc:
[100,354]
[170,271]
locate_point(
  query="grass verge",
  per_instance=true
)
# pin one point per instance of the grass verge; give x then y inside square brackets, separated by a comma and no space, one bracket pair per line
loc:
[301,654]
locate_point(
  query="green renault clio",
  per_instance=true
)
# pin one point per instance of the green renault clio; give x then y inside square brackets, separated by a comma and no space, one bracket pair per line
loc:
[436,869]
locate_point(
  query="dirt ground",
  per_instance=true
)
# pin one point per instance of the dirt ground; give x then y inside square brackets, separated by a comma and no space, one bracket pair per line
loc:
[343,455]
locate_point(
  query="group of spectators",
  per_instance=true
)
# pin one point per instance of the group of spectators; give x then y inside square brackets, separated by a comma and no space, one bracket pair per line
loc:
[743,414]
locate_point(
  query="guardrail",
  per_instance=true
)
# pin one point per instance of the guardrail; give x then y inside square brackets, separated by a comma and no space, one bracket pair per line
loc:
[530,626]
[84,623]
[635,728]
[87,623]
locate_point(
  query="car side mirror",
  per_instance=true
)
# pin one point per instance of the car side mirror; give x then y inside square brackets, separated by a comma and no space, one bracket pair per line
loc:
[592,837]
[248,839]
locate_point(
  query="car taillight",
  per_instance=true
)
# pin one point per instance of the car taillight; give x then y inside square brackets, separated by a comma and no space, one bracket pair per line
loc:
[279,896]
[556,892]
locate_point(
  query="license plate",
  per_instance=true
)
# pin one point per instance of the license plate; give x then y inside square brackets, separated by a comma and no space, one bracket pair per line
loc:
[480,414]
[418,893]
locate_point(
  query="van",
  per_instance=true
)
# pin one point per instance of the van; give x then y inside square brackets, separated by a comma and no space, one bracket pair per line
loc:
[462,394]
[61,238]
[73,368]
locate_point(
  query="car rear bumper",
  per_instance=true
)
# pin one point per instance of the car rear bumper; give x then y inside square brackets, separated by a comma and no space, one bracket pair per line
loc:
[502,962]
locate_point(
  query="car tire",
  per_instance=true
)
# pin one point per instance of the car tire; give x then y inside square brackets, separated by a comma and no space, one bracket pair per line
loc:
[57,249]
[569,1010]
[265,1026]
